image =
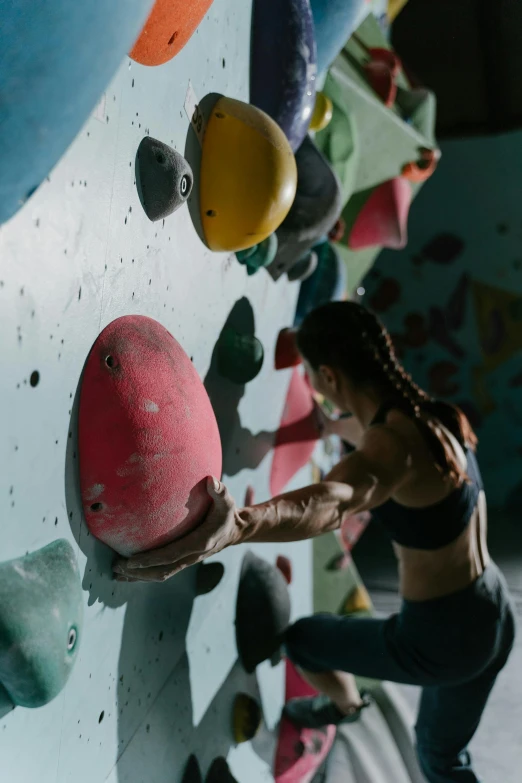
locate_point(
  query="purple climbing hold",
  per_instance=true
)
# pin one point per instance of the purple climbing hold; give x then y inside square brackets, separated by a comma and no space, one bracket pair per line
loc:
[283,64]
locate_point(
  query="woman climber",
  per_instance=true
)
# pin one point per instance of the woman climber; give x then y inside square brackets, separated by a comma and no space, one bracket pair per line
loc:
[414,467]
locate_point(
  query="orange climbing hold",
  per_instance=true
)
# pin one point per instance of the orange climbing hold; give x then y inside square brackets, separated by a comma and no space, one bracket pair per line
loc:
[170,25]
[422,169]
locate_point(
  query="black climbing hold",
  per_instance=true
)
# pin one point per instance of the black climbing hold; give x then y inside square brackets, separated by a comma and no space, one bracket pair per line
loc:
[262,612]
[163,177]
[304,268]
[208,577]
[219,772]
[239,356]
[192,772]
[317,205]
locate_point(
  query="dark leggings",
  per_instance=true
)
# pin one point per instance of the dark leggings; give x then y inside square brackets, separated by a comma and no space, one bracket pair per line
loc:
[453,647]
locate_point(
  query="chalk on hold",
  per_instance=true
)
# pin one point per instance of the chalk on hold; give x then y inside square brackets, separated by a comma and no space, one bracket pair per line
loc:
[262,611]
[192,772]
[248,176]
[303,268]
[246,719]
[286,352]
[208,577]
[41,611]
[239,356]
[379,216]
[164,178]
[148,438]
[219,772]
[322,113]
[259,256]
[170,25]
[285,566]
[283,67]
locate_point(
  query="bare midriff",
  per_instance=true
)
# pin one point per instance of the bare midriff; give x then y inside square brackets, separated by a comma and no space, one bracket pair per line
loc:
[427,574]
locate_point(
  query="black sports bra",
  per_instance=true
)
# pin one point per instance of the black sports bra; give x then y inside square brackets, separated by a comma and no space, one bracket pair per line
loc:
[435,526]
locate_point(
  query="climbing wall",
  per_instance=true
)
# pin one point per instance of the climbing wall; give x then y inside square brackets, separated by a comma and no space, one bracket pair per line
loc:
[453,299]
[157,671]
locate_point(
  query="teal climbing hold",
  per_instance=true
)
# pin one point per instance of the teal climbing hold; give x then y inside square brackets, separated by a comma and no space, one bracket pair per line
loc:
[40,624]
[258,256]
[239,356]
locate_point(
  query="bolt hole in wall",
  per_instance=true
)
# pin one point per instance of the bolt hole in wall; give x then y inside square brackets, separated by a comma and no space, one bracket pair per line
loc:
[34,380]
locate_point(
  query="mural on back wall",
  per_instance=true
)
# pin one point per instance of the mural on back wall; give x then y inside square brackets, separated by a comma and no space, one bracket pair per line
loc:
[452,300]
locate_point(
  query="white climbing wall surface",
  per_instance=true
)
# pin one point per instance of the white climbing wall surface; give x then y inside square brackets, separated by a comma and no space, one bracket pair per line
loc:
[157,668]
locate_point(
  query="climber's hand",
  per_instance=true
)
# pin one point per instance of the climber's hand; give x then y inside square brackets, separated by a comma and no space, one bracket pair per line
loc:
[220,528]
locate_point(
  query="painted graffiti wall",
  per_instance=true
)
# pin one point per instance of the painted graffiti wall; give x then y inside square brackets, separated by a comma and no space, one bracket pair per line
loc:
[453,298]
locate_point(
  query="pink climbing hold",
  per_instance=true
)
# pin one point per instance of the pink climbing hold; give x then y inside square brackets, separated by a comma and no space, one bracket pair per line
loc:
[250,495]
[297,434]
[383,220]
[148,438]
[300,752]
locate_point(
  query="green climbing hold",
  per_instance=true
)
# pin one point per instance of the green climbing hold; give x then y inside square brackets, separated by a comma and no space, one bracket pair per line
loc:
[239,356]
[40,624]
[258,256]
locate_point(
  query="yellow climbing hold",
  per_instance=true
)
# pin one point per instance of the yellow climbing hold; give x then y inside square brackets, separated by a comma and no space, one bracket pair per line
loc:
[323,111]
[248,176]
[246,718]
[357,601]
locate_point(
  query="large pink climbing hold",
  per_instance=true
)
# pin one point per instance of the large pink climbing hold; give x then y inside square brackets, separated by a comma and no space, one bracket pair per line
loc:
[297,434]
[148,438]
[383,220]
[300,752]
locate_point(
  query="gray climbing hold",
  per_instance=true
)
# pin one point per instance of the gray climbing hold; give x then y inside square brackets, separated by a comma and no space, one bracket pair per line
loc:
[41,610]
[163,177]
[262,612]
[304,268]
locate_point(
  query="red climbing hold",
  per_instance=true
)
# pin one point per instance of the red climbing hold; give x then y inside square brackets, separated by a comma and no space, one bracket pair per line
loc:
[148,438]
[286,352]
[383,219]
[297,433]
[382,81]
[300,752]
[284,564]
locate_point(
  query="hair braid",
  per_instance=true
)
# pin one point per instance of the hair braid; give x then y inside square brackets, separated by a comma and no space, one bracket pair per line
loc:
[347,336]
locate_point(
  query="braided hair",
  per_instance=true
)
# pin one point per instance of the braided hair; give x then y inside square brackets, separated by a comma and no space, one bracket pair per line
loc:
[349,337]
